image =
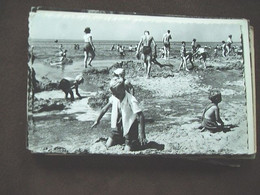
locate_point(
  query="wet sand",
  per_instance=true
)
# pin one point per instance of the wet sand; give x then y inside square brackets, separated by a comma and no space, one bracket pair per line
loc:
[172,103]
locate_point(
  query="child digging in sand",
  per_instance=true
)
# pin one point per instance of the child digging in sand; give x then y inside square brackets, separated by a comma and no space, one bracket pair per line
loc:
[211,118]
[126,116]
[120,72]
[67,85]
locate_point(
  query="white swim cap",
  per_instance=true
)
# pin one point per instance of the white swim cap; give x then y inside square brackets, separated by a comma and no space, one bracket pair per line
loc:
[119,72]
[79,78]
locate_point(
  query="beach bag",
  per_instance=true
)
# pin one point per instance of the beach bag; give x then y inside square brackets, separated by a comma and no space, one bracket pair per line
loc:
[146,50]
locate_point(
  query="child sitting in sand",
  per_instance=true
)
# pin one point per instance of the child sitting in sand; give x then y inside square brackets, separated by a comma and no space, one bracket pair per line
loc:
[120,72]
[211,118]
[66,85]
[183,57]
[126,116]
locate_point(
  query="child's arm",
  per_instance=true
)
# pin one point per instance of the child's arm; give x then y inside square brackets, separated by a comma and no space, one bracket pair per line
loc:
[142,137]
[217,115]
[154,46]
[91,43]
[101,114]
[77,90]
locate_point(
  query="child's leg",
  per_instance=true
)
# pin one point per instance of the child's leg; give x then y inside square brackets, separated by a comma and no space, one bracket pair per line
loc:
[131,139]
[148,71]
[71,95]
[92,57]
[85,59]
[185,64]
[116,136]
[181,63]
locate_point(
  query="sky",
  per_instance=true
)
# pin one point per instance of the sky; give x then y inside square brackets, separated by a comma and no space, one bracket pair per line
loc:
[71,25]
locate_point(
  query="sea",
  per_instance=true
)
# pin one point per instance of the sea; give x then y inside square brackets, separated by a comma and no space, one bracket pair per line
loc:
[44,48]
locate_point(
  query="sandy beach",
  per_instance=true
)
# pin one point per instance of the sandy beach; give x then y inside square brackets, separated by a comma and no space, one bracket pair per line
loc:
[172,103]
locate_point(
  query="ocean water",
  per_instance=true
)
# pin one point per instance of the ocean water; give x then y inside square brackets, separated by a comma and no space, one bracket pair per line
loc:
[44,49]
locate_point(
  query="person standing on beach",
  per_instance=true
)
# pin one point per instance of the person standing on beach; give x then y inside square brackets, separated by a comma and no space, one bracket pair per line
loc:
[193,47]
[88,48]
[147,52]
[224,49]
[229,43]
[166,44]
[183,57]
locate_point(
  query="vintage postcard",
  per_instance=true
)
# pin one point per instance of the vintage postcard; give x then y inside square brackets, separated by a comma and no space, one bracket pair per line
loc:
[129,84]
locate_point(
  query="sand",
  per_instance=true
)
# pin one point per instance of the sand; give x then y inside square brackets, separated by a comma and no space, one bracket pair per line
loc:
[172,103]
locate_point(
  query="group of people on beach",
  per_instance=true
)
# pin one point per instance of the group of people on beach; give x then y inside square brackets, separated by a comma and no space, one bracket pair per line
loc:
[128,120]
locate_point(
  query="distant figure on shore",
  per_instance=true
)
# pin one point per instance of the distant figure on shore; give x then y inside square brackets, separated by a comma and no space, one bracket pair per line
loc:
[117,47]
[224,49]
[147,52]
[121,51]
[193,47]
[166,43]
[211,116]
[216,51]
[130,48]
[66,85]
[76,46]
[88,48]
[127,119]
[120,72]
[61,47]
[202,54]
[112,47]
[183,63]
[229,44]
[31,55]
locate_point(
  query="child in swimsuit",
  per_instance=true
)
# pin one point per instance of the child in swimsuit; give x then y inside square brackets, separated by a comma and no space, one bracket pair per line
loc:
[211,118]
[183,57]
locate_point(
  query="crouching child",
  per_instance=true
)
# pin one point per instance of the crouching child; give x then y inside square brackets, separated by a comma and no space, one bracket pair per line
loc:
[66,85]
[127,119]
[211,118]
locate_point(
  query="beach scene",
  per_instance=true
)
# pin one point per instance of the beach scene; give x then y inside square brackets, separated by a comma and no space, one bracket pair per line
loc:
[172,100]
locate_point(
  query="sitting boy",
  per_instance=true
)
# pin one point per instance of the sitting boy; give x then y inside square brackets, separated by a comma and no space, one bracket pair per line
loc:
[211,118]
[126,116]
[66,85]
[120,72]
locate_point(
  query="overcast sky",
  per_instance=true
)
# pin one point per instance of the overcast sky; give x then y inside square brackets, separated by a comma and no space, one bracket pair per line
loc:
[71,25]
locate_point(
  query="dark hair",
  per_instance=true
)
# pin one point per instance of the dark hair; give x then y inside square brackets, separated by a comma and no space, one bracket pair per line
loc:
[198,46]
[147,32]
[223,42]
[194,39]
[182,42]
[215,96]
[168,31]
[87,30]
[229,35]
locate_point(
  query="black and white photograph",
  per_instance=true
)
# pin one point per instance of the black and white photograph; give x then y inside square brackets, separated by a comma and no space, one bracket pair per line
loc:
[132,84]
